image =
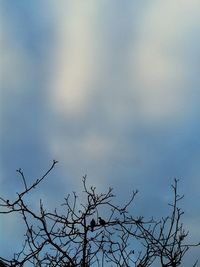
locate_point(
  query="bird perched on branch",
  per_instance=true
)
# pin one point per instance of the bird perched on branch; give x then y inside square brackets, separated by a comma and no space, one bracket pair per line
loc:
[92,224]
[101,221]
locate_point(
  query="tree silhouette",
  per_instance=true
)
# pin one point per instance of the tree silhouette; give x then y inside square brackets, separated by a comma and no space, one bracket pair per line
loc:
[77,235]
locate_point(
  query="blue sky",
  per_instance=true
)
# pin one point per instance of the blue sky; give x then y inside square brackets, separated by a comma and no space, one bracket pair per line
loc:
[108,88]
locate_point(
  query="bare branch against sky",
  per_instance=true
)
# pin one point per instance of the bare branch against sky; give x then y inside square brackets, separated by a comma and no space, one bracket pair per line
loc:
[110,89]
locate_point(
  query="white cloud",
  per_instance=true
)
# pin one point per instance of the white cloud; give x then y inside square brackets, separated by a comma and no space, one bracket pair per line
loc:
[155,93]
[88,154]
[97,147]
[73,61]
[91,146]
[159,68]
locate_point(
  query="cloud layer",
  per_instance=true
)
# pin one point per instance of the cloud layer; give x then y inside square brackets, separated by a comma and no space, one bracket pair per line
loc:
[110,90]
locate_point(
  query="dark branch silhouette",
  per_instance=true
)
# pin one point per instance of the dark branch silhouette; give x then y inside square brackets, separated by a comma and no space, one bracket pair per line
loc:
[78,236]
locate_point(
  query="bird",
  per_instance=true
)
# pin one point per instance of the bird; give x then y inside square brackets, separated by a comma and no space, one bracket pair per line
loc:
[92,224]
[101,221]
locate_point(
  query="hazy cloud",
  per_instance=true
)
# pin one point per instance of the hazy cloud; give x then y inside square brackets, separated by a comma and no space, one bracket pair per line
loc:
[108,89]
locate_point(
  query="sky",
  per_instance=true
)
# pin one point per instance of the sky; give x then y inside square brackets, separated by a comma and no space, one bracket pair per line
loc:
[110,89]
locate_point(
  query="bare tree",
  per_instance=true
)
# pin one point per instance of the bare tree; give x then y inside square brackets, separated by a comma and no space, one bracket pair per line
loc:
[95,231]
